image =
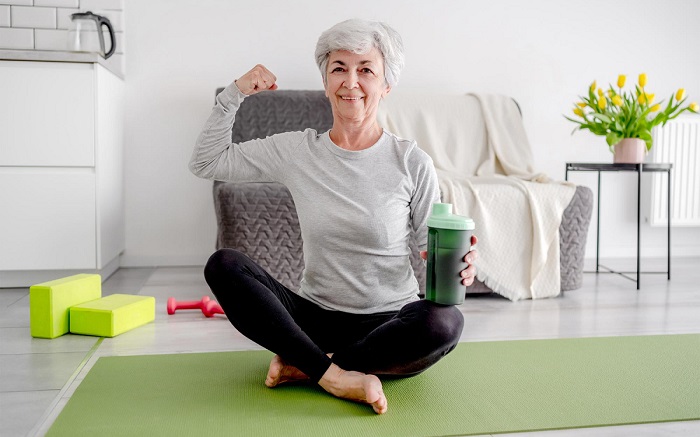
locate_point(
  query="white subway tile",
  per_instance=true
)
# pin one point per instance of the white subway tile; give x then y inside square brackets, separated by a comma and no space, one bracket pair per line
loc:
[4,16]
[119,36]
[102,5]
[17,2]
[57,3]
[63,20]
[16,38]
[50,39]
[26,16]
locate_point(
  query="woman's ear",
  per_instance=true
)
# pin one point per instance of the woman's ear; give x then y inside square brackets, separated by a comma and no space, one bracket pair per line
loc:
[386,91]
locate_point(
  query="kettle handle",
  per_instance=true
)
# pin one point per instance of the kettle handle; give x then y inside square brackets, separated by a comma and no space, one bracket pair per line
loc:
[104,21]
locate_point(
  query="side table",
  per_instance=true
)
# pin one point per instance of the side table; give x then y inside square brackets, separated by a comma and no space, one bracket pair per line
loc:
[639,169]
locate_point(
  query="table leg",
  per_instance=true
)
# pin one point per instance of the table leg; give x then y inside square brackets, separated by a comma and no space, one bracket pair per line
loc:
[668,225]
[597,229]
[639,197]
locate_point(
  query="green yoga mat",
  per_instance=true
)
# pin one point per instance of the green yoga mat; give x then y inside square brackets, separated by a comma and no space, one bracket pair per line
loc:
[480,388]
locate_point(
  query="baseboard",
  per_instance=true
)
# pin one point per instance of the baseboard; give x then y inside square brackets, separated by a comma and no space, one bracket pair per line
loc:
[164,261]
[27,278]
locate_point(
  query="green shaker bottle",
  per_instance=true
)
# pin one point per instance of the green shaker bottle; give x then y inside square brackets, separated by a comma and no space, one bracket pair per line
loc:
[449,239]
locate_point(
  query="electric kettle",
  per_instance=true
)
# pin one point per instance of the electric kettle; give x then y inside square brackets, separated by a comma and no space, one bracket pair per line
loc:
[85,34]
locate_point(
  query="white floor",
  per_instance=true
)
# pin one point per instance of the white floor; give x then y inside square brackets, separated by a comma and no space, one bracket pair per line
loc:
[37,377]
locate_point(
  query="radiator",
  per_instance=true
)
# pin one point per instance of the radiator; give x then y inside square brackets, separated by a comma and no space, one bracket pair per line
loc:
[678,143]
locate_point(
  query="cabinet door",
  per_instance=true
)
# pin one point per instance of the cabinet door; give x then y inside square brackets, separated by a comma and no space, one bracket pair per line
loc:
[47,219]
[47,114]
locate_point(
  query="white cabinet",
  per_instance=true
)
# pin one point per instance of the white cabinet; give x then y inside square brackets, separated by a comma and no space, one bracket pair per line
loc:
[61,170]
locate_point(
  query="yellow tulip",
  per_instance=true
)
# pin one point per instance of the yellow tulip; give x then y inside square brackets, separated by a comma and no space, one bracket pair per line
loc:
[643,80]
[611,93]
[621,80]
[655,108]
[693,107]
[645,98]
[593,86]
[602,103]
[600,92]
[578,112]
[617,101]
[680,94]
[581,104]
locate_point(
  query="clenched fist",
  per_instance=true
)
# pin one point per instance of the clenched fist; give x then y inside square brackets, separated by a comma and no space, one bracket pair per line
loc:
[256,80]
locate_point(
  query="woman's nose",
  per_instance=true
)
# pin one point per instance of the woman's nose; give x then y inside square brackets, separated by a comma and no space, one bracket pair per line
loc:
[351,80]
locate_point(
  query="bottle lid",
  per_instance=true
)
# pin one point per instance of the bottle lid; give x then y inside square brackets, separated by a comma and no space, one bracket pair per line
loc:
[443,218]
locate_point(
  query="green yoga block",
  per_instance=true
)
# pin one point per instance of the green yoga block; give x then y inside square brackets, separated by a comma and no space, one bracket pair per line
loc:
[112,315]
[49,303]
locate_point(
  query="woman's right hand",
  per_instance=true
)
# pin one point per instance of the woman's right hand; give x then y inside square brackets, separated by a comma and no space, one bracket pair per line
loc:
[256,80]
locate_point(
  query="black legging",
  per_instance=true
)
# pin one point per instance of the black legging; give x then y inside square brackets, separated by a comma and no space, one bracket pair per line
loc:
[392,344]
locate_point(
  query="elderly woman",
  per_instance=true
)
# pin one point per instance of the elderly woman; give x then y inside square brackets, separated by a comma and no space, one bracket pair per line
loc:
[359,191]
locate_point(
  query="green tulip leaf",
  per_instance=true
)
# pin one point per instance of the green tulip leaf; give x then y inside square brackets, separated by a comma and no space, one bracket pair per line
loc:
[602,117]
[612,138]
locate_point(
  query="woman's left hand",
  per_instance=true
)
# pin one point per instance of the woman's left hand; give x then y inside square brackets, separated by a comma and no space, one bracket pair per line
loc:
[469,273]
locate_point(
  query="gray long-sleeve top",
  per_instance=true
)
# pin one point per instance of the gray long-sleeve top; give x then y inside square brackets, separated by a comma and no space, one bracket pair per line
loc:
[356,208]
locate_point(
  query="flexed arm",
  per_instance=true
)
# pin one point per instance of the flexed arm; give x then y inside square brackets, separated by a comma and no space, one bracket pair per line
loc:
[215,156]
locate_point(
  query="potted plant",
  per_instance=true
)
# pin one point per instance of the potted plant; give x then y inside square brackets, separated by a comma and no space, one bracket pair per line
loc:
[625,118]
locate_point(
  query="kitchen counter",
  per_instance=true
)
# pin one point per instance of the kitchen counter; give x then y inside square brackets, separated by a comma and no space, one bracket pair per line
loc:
[59,56]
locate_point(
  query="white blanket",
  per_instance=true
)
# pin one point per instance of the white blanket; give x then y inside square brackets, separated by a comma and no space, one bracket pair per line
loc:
[484,165]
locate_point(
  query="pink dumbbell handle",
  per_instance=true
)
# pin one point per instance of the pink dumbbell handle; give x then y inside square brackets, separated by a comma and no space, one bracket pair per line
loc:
[174,305]
[211,308]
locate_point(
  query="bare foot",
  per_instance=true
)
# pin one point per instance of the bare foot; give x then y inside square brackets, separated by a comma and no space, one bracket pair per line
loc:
[281,372]
[355,386]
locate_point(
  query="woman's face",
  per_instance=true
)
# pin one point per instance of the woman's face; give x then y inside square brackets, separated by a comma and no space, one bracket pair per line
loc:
[355,84]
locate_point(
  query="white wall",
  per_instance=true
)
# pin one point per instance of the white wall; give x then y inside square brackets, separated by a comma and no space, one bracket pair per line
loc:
[542,52]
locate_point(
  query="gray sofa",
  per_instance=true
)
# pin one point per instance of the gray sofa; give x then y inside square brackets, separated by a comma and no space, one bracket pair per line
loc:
[260,219]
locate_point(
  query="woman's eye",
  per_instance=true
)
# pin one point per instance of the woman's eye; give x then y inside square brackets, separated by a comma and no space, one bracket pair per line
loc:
[366,70]
[337,69]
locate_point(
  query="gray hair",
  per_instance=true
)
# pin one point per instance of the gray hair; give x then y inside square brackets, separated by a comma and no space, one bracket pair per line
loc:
[359,36]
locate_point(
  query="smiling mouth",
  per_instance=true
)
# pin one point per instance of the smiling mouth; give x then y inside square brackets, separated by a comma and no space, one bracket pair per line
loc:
[351,98]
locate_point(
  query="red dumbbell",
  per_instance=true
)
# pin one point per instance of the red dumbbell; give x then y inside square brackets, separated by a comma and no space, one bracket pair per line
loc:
[174,305]
[211,308]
